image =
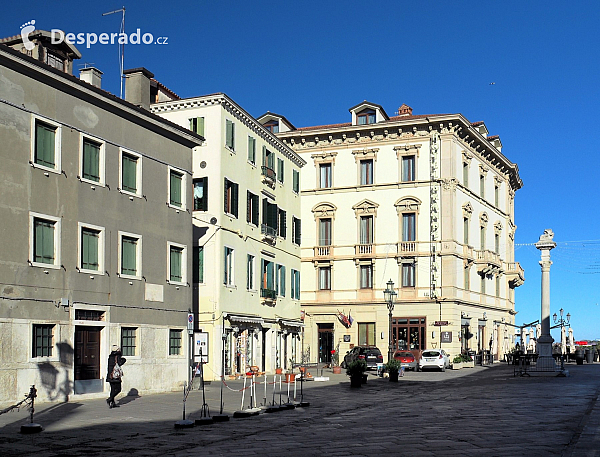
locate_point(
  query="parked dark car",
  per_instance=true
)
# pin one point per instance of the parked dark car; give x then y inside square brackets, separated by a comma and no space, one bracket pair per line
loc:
[407,359]
[369,354]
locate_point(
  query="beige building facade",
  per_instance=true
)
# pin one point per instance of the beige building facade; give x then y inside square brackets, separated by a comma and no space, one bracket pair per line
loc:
[424,200]
[246,217]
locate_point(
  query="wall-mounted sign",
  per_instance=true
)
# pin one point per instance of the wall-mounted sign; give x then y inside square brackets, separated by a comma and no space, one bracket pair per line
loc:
[446,337]
[440,323]
[346,338]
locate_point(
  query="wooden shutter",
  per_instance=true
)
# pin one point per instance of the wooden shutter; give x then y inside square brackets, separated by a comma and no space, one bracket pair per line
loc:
[175,189]
[129,170]
[272,215]
[89,248]
[264,211]
[255,209]
[43,242]
[175,264]
[230,134]
[44,145]
[234,199]
[264,156]
[128,256]
[225,267]
[248,206]
[296,183]
[200,126]
[226,207]
[282,279]
[277,279]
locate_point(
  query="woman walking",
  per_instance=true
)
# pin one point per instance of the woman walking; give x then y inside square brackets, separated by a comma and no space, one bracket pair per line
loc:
[115,374]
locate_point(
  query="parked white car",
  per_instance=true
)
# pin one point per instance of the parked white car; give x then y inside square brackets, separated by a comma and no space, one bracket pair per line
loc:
[434,358]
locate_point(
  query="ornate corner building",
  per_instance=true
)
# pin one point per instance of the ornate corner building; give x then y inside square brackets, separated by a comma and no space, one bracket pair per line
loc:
[426,200]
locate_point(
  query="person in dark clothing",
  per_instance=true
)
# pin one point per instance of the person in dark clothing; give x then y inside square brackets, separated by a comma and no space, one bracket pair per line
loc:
[112,377]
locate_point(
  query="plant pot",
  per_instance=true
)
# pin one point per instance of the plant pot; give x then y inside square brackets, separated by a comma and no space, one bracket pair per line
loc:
[289,377]
[337,370]
[302,369]
[278,370]
[393,376]
[356,381]
[364,378]
[457,365]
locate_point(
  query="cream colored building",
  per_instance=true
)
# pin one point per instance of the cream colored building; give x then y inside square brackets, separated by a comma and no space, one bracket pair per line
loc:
[246,216]
[424,200]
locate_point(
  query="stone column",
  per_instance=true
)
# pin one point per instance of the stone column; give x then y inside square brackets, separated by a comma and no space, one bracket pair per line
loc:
[545,359]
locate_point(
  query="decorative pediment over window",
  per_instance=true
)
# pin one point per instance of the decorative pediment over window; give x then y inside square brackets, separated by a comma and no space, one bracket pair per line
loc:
[483,219]
[466,157]
[365,207]
[363,154]
[407,150]
[467,210]
[408,204]
[324,210]
[324,157]
[498,227]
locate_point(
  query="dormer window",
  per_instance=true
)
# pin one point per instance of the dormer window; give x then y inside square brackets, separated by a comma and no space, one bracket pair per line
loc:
[272,126]
[366,116]
[55,61]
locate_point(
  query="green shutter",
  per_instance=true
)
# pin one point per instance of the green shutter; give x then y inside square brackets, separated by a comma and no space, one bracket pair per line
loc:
[175,264]
[89,249]
[272,215]
[198,264]
[175,199]
[128,256]
[43,242]
[226,185]
[251,149]
[200,130]
[297,285]
[91,161]
[270,276]
[277,279]
[129,170]
[264,156]
[282,276]
[44,145]
[271,161]
[296,177]
[229,134]
[225,267]
[280,170]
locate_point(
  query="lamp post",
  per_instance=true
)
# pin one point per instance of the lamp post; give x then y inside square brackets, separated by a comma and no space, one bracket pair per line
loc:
[390,296]
[562,322]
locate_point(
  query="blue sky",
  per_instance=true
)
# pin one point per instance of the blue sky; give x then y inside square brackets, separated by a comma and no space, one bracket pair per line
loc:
[311,61]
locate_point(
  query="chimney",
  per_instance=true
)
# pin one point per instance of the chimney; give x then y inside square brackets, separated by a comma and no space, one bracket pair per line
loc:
[405,110]
[91,76]
[137,86]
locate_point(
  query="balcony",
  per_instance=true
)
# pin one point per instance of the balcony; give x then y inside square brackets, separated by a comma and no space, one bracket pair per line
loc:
[268,176]
[323,251]
[488,262]
[468,252]
[514,273]
[268,296]
[269,234]
[407,247]
[364,249]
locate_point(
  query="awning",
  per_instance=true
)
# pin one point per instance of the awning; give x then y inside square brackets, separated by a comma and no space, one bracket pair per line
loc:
[292,323]
[249,320]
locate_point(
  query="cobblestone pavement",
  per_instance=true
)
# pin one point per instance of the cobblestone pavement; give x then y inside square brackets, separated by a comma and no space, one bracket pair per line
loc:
[469,412]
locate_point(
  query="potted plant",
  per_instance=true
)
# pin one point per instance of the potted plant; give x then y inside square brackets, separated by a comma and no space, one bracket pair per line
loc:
[278,371]
[457,362]
[393,367]
[289,374]
[467,361]
[335,361]
[356,371]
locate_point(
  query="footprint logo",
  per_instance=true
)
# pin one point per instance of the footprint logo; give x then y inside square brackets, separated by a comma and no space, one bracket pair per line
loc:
[26,29]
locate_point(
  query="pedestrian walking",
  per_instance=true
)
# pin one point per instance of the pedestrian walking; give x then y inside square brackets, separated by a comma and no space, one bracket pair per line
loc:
[114,375]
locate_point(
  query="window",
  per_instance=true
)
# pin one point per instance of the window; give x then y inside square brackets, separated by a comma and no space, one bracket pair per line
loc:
[198,264]
[231,198]
[131,173]
[45,238]
[270,218]
[496,196]
[282,226]
[128,336]
[228,277]
[251,208]
[296,181]
[366,230]
[409,227]
[325,232]
[267,281]
[250,272]
[91,254]
[296,230]
[482,186]
[325,278]
[177,263]
[43,340]
[280,170]
[366,333]
[408,275]
[230,134]
[55,61]
[174,342]
[366,276]
[201,194]
[295,284]
[131,253]
[46,145]
[176,195]
[408,168]
[92,161]
[482,238]
[197,125]
[466,174]
[252,150]
[466,231]
[272,126]
[268,161]
[280,280]
[325,176]
[497,243]
[366,172]
[467,278]
[366,117]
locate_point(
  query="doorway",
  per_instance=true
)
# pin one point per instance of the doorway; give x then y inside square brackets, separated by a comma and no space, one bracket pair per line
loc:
[87,360]
[325,342]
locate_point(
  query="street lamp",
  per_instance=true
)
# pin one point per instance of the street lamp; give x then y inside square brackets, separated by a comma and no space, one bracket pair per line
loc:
[390,296]
[561,322]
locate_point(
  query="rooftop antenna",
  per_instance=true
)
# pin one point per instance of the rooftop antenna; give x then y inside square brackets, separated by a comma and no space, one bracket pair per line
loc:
[122,44]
